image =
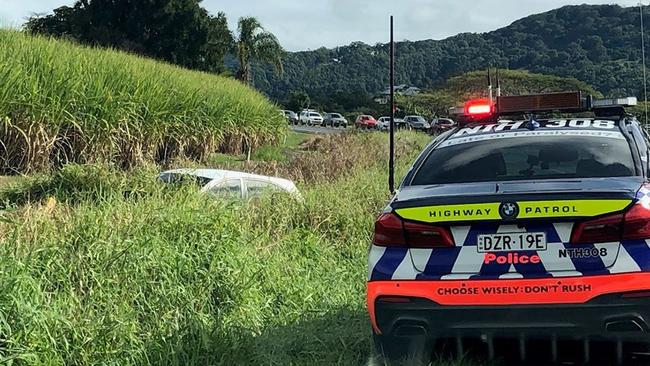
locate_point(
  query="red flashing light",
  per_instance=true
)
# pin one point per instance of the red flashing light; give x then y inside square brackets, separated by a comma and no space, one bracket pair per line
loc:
[479,107]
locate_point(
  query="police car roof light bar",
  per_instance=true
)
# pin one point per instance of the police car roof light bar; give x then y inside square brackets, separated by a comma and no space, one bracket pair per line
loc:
[483,110]
[571,101]
[479,107]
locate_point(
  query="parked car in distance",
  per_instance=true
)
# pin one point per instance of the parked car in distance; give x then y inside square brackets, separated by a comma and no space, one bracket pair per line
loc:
[291,117]
[310,118]
[365,121]
[334,120]
[417,123]
[440,125]
[230,184]
[383,124]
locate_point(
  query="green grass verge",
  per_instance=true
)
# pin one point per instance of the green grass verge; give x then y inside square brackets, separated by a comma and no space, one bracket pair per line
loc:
[8,180]
[170,277]
[265,153]
[60,102]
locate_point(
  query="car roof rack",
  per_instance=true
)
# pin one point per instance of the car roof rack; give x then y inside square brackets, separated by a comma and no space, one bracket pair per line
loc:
[490,110]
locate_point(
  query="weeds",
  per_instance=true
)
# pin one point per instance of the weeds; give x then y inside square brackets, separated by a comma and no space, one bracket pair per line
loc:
[176,278]
[63,103]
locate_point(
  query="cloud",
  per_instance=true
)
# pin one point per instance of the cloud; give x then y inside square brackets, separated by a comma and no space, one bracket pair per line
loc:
[310,24]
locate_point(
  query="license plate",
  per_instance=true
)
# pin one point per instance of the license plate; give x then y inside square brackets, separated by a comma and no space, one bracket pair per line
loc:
[511,242]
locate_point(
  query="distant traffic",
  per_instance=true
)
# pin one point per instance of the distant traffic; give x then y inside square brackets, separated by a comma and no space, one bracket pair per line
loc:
[314,118]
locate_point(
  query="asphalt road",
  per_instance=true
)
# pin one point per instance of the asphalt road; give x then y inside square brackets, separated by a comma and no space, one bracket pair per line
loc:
[318,129]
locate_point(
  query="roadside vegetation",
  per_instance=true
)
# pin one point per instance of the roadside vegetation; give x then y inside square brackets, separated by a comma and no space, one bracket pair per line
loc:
[62,103]
[98,266]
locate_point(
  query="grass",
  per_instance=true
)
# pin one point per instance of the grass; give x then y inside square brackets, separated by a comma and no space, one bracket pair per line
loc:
[61,103]
[295,139]
[89,275]
[279,153]
[6,181]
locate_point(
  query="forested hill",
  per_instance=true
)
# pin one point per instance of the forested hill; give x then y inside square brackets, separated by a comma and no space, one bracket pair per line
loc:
[598,44]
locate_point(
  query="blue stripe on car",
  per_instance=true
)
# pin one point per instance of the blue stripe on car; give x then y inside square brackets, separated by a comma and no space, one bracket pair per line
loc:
[589,265]
[441,263]
[387,265]
[640,253]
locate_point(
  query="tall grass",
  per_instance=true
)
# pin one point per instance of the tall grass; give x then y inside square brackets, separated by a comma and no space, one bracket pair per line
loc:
[170,277]
[62,103]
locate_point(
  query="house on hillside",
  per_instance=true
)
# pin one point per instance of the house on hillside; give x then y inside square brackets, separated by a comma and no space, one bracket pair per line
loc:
[402,89]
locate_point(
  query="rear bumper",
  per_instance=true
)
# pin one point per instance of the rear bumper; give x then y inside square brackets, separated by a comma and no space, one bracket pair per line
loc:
[607,317]
[574,307]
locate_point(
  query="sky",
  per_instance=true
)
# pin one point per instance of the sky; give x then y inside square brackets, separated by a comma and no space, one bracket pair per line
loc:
[310,24]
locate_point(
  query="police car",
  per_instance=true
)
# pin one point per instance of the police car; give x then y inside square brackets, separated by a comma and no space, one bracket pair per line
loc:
[516,229]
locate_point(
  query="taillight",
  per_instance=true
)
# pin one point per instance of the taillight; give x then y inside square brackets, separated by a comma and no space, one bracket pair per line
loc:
[391,231]
[633,225]
[602,230]
[637,223]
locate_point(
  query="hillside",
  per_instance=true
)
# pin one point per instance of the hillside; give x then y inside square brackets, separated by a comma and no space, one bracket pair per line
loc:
[598,44]
[61,103]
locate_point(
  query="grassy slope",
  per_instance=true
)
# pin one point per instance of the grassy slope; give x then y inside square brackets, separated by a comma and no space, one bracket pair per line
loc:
[171,277]
[60,101]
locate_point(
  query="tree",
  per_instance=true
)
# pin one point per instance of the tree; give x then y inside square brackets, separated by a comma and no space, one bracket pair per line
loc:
[605,52]
[219,42]
[176,31]
[298,100]
[253,42]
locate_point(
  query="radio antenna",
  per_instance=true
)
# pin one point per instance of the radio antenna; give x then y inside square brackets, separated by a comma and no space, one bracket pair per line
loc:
[391,158]
[489,80]
[645,79]
[498,84]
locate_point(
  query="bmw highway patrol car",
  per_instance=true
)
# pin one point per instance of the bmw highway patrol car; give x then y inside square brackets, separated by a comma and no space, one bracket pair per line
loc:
[520,229]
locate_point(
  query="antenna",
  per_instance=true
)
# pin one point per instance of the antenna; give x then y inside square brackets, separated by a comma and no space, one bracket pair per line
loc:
[391,158]
[489,80]
[498,84]
[645,79]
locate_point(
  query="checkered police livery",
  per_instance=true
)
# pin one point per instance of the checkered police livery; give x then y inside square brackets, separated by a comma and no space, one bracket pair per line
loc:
[526,229]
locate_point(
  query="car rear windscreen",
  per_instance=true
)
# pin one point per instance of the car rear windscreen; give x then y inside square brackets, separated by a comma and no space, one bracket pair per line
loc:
[528,158]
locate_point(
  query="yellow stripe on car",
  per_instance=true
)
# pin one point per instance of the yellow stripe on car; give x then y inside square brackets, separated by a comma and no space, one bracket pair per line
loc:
[570,208]
[527,210]
[450,213]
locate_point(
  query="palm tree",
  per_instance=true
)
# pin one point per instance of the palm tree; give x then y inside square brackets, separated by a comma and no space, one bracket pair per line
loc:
[253,42]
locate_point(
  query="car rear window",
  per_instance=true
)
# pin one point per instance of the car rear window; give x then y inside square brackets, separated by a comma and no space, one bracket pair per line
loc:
[526,158]
[181,178]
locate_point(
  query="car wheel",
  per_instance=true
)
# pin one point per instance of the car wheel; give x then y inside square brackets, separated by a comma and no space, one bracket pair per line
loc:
[402,350]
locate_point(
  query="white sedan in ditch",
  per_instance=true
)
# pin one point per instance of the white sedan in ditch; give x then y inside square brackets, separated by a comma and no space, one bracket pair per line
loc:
[230,183]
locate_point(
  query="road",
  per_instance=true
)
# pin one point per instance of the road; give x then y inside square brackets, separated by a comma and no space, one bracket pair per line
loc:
[318,129]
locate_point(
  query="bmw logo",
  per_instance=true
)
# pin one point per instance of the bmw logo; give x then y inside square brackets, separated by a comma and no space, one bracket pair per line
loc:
[509,210]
